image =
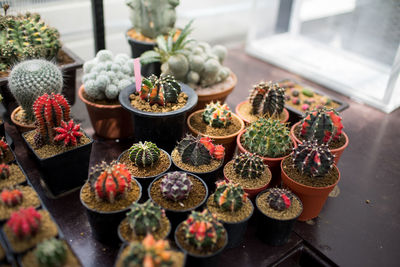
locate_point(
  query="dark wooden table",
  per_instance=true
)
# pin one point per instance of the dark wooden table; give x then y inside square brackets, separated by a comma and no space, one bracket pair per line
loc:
[357,227]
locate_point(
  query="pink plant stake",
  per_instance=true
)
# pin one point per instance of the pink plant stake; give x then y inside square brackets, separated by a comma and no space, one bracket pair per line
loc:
[138,75]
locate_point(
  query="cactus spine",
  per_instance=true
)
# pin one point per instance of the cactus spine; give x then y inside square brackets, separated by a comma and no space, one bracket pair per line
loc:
[145,218]
[248,165]
[217,115]
[144,154]
[161,90]
[176,186]
[279,199]
[51,253]
[267,98]
[24,223]
[11,198]
[229,196]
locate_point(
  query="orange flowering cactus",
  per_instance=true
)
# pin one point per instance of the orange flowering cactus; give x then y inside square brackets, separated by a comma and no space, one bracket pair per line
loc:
[217,115]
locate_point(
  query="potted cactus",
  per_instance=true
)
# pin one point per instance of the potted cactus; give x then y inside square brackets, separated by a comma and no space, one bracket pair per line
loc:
[324,125]
[266,99]
[11,175]
[279,209]
[6,155]
[202,237]
[311,174]
[107,196]
[219,123]
[231,206]
[159,109]
[12,199]
[143,219]
[249,171]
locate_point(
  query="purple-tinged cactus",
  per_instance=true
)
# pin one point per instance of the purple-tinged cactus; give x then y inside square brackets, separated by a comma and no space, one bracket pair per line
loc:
[176,186]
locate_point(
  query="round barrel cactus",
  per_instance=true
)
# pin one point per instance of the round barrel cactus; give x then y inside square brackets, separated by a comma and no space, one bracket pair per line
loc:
[144,154]
[279,199]
[51,252]
[161,90]
[176,186]
[248,165]
[217,115]
[267,98]
[229,196]
[144,218]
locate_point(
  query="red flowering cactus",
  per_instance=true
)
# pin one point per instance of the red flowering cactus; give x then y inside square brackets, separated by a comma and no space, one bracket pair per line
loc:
[3,148]
[216,151]
[4,171]
[25,222]
[11,198]
[68,133]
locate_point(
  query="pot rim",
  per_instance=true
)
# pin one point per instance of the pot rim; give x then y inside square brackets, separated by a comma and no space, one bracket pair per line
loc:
[138,41]
[95,105]
[197,173]
[285,110]
[225,91]
[17,123]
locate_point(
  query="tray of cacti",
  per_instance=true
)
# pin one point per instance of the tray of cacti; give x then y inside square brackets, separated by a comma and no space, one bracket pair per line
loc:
[107,196]
[311,174]
[11,175]
[159,109]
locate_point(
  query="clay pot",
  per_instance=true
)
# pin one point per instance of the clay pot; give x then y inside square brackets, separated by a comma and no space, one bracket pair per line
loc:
[247,122]
[22,128]
[313,198]
[108,121]
[337,151]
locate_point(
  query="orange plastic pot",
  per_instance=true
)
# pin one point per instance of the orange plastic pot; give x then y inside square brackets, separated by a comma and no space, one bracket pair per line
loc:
[247,122]
[22,128]
[337,151]
[108,121]
[313,198]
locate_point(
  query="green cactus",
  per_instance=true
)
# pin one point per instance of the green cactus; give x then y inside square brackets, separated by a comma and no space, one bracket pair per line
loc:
[217,115]
[248,165]
[144,218]
[268,138]
[33,78]
[229,196]
[267,98]
[161,90]
[144,154]
[51,253]
[279,199]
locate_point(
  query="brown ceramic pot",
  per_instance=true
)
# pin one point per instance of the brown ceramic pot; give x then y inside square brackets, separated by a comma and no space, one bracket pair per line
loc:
[22,128]
[247,122]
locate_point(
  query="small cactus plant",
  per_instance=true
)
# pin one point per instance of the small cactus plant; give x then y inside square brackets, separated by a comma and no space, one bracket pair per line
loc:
[176,186]
[313,159]
[51,253]
[217,115]
[248,165]
[68,133]
[24,223]
[279,199]
[4,171]
[11,198]
[4,148]
[161,90]
[145,218]
[267,98]
[267,138]
[144,154]
[110,181]
[229,196]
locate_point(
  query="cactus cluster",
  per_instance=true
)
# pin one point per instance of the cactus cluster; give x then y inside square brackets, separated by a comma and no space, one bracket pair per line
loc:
[145,218]
[322,124]
[248,165]
[33,78]
[51,253]
[267,138]
[217,115]
[229,196]
[313,159]
[176,186]
[11,197]
[4,148]
[105,76]
[4,171]
[68,134]
[110,181]
[161,90]
[279,199]
[267,98]
[24,223]
[144,154]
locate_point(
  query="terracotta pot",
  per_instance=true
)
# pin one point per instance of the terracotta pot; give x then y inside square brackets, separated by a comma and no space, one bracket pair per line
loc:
[108,121]
[313,198]
[22,128]
[247,122]
[337,151]
[227,141]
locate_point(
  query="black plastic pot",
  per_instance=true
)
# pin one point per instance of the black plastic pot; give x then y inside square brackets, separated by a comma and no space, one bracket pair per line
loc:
[166,128]
[104,224]
[272,231]
[62,173]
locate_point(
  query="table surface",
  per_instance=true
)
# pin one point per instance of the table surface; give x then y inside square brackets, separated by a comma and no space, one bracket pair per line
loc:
[359,226]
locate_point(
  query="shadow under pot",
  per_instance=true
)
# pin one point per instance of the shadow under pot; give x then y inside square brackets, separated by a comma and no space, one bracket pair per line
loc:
[62,169]
[162,128]
[275,227]
[104,217]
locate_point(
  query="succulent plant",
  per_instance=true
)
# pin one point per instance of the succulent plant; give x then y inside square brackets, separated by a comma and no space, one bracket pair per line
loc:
[161,90]
[267,138]
[216,151]
[4,171]
[176,186]
[313,159]
[24,223]
[51,253]
[105,76]
[267,98]
[145,218]
[11,197]
[3,148]
[33,78]
[279,199]
[229,196]
[323,125]
[202,229]
[68,133]
[144,154]
[248,165]
[110,181]
[217,115]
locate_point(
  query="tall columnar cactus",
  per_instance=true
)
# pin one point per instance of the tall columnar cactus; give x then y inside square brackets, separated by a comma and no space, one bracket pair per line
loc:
[229,196]
[153,17]
[144,154]
[313,159]
[323,125]
[11,197]
[33,78]
[24,223]
[217,115]
[199,151]
[51,253]
[68,133]
[267,138]
[176,186]
[202,229]
[248,165]
[161,90]
[110,181]
[145,218]
[4,171]
[4,148]
[279,199]
[267,98]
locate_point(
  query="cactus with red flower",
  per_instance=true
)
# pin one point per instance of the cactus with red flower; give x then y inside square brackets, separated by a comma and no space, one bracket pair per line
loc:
[4,148]
[68,133]
[279,199]
[11,197]
[24,223]
[4,171]
[229,196]
[217,115]
[161,90]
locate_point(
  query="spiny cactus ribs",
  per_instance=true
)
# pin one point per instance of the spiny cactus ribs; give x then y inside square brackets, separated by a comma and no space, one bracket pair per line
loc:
[161,90]
[229,196]
[24,223]
[313,159]
[248,165]
[4,171]
[267,98]
[3,148]
[217,115]
[176,186]
[68,133]
[11,197]
[145,218]
[323,125]
[110,181]
[51,253]
[144,154]
[279,199]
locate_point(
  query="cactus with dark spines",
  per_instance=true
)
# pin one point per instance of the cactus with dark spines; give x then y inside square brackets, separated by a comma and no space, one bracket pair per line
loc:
[4,171]
[25,222]
[217,115]
[144,154]
[11,197]
[267,98]
[229,196]
[51,253]
[248,165]
[145,218]
[193,151]
[68,133]
[279,199]
[161,90]
[176,186]
[4,148]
